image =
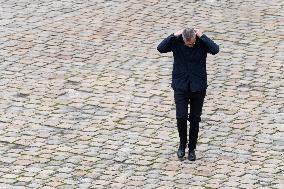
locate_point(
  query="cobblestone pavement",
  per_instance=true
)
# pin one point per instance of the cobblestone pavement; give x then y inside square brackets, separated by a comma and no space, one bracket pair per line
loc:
[86,99]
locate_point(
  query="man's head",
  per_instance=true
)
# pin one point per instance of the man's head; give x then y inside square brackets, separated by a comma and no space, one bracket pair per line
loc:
[189,37]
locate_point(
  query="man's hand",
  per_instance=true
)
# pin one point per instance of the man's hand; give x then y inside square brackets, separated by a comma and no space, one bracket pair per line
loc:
[198,32]
[178,33]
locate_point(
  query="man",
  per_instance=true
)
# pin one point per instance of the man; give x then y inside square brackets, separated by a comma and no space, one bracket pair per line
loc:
[189,81]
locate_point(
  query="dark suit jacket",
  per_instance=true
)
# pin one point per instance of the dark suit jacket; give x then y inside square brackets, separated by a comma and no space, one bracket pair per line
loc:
[189,69]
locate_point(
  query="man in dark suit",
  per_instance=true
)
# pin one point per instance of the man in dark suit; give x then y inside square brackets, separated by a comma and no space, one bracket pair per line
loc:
[189,81]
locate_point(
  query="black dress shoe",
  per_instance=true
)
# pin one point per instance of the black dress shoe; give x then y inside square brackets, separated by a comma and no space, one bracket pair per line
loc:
[181,152]
[191,156]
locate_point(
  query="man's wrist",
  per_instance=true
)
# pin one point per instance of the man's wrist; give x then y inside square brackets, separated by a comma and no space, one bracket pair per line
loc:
[202,35]
[175,35]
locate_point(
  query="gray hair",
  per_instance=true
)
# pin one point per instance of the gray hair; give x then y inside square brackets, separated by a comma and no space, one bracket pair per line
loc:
[188,33]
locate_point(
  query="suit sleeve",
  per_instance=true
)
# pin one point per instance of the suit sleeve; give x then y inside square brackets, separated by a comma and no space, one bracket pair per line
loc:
[211,47]
[167,44]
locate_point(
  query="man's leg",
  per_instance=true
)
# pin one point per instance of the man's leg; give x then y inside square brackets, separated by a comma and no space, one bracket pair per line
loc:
[181,101]
[196,104]
[182,131]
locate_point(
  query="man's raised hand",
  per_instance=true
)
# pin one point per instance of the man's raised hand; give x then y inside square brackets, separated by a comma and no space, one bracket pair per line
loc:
[178,33]
[198,32]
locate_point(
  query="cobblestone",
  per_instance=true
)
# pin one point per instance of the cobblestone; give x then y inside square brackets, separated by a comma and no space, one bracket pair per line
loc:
[85,97]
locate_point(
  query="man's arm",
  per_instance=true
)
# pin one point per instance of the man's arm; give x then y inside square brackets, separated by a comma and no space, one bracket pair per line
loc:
[166,45]
[211,46]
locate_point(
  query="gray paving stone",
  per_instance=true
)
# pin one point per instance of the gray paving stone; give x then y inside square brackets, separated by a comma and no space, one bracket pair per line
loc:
[85,97]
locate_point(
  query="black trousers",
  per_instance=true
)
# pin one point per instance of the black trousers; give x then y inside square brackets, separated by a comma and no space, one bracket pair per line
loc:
[195,100]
